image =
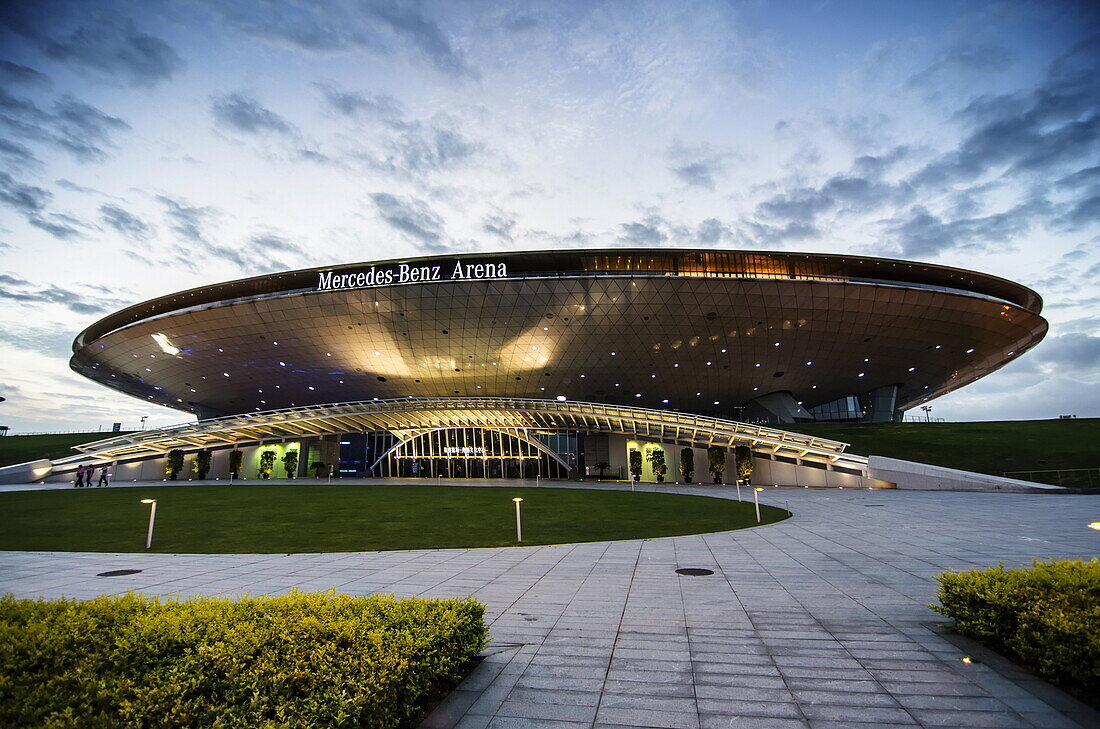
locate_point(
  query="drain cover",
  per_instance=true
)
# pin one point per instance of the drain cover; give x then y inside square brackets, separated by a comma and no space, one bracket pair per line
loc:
[118,573]
[694,571]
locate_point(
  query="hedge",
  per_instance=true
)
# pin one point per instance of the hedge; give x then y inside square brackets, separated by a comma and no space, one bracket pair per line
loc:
[1046,617]
[301,660]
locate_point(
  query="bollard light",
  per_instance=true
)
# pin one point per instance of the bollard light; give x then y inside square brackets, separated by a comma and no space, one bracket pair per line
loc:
[152,516]
[739,489]
[519,527]
[756,500]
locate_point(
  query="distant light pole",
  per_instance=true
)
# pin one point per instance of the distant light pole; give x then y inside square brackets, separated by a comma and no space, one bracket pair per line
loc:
[152,516]
[143,419]
[756,500]
[927,412]
[519,527]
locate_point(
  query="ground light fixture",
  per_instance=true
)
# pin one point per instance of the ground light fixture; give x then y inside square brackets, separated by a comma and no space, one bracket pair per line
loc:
[756,500]
[152,516]
[519,526]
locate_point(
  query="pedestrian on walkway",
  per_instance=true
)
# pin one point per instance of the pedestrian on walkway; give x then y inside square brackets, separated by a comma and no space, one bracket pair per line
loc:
[80,476]
[104,477]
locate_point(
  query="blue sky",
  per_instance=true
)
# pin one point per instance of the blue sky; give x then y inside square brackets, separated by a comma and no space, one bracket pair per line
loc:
[150,147]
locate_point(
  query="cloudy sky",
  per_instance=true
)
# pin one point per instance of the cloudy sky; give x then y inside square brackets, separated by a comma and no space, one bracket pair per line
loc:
[149,147]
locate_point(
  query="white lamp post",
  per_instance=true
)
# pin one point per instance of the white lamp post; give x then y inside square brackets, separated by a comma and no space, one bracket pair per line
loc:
[738,489]
[756,500]
[152,515]
[519,527]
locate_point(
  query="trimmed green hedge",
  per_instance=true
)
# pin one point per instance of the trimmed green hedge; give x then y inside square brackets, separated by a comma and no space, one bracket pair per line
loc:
[1046,617]
[301,660]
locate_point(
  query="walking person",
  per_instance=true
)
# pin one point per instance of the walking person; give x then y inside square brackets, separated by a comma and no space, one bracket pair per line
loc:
[80,476]
[104,477]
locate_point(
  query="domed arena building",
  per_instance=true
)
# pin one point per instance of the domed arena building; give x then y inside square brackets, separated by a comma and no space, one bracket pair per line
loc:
[549,362]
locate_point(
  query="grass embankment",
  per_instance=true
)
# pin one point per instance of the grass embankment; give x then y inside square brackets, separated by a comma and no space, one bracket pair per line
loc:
[1024,445]
[23,448]
[301,660]
[320,518]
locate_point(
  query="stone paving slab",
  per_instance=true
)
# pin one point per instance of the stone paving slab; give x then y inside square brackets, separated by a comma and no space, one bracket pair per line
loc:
[819,621]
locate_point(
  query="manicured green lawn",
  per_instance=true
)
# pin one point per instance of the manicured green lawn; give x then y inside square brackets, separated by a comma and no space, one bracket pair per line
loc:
[23,448]
[993,447]
[315,518]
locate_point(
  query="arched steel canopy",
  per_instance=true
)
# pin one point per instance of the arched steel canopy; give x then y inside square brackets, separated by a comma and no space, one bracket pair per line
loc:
[409,416]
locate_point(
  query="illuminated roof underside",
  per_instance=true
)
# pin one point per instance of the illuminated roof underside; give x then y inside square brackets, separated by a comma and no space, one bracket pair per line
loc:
[409,417]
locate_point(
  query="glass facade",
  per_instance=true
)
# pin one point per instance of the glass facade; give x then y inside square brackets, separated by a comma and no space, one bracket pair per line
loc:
[460,453]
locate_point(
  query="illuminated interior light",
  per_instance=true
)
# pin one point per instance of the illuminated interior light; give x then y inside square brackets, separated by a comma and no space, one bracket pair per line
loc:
[164,344]
[912,369]
[275,343]
[723,351]
[534,349]
[282,364]
[613,354]
[758,364]
[938,346]
[715,402]
[638,395]
[226,374]
[709,364]
[866,359]
[560,398]
[861,374]
[328,354]
[377,354]
[970,351]
[664,401]
[777,344]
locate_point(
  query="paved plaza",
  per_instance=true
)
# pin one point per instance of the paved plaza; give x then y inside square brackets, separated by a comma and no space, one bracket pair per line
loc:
[818,621]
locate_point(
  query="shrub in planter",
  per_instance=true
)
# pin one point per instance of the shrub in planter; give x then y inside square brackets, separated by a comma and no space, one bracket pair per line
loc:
[602,466]
[660,467]
[235,458]
[200,466]
[173,464]
[635,460]
[290,463]
[267,463]
[687,464]
[317,467]
[299,660]
[1046,617]
[743,454]
[716,457]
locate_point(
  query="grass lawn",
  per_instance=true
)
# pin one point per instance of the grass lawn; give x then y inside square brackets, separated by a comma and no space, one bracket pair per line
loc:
[993,448]
[315,518]
[23,448]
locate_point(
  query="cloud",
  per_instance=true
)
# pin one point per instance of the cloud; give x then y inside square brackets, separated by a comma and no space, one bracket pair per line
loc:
[426,36]
[26,199]
[71,125]
[15,73]
[412,217]
[922,234]
[713,231]
[421,148]
[31,201]
[1051,126]
[244,114]
[101,43]
[16,153]
[187,220]
[96,300]
[125,222]
[645,233]
[960,64]
[269,252]
[377,27]
[500,226]
[353,103]
[697,166]
[841,192]
[51,341]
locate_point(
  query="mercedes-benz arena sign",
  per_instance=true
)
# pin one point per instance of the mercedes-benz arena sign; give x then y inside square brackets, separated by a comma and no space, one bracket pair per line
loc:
[736,334]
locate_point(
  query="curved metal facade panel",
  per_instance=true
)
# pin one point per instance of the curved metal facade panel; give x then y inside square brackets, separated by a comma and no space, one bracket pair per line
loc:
[701,342]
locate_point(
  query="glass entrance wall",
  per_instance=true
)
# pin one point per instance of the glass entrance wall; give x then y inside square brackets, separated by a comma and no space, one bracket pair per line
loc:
[477,453]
